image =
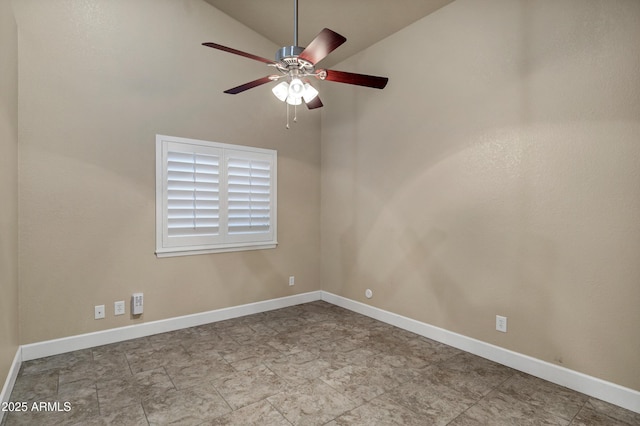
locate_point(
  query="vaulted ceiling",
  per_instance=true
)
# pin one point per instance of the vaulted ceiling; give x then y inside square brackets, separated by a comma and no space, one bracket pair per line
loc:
[362,22]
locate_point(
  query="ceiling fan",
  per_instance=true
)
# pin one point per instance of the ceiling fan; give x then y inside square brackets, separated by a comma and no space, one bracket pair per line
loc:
[297,64]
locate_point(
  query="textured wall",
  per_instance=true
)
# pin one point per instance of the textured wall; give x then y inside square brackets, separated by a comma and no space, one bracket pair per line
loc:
[8,188]
[498,173]
[98,80]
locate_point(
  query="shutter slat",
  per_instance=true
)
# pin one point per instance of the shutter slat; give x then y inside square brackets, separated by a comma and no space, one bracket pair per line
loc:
[188,214]
[192,177]
[190,205]
[189,232]
[249,228]
[205,187]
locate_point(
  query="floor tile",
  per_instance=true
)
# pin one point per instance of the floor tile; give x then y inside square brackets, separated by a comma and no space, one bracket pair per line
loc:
[299,373]
[613,411]
[380,413]
[30,418]
[361,383]
[73,405]
[290,343]
[242,333]
[250,351]
[194,370]
[122,392]
[150,358]
[110,366]
[249,386]
[429,350]
[82,397]
[132,415]
[591,417]
[211,345]
[37,386]
[66,360]
[358,356]
[556,400]
[191,406]
[261,413]
[436,404]
[314,403]
[85,370]
[469,374]
[499,409]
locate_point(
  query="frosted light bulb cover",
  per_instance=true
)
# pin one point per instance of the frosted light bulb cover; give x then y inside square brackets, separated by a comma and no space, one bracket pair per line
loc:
[310,93]
[296,88]
[281,91]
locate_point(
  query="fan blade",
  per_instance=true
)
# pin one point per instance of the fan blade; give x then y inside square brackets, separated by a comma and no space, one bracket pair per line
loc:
[238,52]
[315,103]
[325,42]
[358,79]
[249,85]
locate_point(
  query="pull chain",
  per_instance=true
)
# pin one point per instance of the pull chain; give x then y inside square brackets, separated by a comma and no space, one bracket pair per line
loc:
[287,115]
[295,113]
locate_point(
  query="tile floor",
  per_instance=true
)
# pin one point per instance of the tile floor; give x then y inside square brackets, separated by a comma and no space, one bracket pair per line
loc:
[311,364]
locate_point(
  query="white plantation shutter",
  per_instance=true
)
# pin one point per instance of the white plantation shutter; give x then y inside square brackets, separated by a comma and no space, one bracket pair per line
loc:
[213,197]
[249,193]
[193,198]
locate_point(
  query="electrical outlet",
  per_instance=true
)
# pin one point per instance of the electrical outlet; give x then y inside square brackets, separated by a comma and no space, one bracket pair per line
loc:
[292,280]
[118,308]
[98,312]
[368,293]
[501,323]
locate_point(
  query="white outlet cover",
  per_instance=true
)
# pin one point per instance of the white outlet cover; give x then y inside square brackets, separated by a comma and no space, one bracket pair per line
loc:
[501,323]
[118,308]
[368,293]
[99,312]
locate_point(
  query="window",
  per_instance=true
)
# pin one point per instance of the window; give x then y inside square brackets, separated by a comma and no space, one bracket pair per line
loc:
[213,197]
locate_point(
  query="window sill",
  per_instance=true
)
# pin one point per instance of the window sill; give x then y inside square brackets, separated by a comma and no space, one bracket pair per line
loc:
[172,252]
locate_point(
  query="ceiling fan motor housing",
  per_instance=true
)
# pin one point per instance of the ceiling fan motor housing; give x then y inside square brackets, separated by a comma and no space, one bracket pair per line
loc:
[288,56]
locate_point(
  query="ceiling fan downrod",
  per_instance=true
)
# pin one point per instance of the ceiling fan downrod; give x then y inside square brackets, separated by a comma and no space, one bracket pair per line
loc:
[289,54]
[295,22]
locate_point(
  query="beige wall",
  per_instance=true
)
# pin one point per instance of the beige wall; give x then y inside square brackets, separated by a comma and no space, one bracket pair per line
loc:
[8,188]
[498,173]
[98,80]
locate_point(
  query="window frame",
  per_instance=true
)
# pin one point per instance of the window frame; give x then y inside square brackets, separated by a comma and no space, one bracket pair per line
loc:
[169,246]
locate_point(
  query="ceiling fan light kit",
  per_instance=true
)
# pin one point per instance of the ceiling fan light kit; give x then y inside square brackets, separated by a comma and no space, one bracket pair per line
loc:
[297,64]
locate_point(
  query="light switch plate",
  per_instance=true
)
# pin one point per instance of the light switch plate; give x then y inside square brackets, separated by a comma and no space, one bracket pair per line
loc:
[501,323]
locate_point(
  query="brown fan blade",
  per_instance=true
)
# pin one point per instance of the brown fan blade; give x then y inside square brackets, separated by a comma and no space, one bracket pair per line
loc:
[325,42]
[315,103]
[238,52]
[249,85]
[358,79]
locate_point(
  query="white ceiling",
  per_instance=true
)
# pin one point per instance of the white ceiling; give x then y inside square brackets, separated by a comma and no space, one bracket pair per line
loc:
[362,22]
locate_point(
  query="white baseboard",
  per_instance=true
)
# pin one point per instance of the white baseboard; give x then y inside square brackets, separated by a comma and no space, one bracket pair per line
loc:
[5,394]
[589,385]
[98,338]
